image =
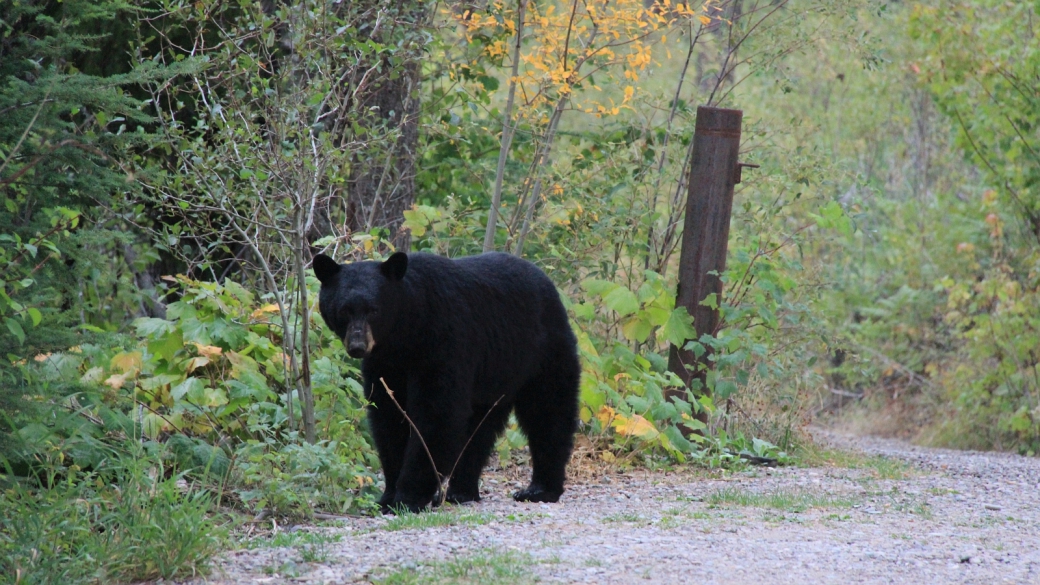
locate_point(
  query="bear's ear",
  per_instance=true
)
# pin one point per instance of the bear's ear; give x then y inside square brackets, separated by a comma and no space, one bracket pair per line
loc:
[325,268]
[395,266]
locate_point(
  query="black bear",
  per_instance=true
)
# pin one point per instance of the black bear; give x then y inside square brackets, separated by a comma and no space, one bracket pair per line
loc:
[458,342]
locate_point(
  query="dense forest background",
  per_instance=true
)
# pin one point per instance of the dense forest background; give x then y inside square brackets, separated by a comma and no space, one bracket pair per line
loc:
[168,169]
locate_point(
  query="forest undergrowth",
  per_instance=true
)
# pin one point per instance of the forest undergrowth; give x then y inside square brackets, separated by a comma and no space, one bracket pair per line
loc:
[169,169]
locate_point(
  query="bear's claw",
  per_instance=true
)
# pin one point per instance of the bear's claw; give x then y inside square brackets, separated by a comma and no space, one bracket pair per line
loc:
[537,494]
[461,498]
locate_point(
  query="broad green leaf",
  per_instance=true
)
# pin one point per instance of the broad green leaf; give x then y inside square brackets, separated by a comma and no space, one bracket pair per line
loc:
[637,328]
[16,329]
[646,292]
[191,386]
[597,287]
[35,315]
[724,389]
[679,327]
[584,310]
[167,345]
[677,439]
[658,316]
[591,394]
[152,327]
[213,397]
[710,301]
[154,382]
[622,301]
[416,222]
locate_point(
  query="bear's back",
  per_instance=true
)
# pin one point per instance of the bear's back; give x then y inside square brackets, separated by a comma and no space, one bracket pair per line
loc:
[495,311]
[490,280]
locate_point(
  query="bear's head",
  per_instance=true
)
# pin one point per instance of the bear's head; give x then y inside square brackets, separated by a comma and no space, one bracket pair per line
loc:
[360,302]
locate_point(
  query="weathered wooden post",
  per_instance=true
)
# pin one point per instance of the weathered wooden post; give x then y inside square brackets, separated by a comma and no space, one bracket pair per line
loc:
[714,171]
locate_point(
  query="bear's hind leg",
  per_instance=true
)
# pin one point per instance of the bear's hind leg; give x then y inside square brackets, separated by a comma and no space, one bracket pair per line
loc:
[465,482]
[547,410]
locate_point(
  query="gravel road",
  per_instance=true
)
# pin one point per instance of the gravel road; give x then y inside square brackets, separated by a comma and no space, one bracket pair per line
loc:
[895,513]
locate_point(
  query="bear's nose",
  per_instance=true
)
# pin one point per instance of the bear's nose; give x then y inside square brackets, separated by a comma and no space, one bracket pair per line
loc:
[356,346]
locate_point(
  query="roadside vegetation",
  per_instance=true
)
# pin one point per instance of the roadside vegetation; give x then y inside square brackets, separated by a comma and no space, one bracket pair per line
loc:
[168,168]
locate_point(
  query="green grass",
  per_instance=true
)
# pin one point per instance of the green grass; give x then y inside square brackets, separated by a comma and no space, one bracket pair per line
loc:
[291,539]
[115,525]
[881,467]
[680,516]
[313,547]
[785,500]
[920,509]
[636,518]
[487,567]
[407,521]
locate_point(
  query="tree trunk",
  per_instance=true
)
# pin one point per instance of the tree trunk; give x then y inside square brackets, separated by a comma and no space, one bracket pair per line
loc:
[382,182]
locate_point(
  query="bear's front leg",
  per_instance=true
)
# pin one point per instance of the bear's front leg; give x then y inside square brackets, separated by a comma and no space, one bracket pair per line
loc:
[440,417]
[390,430]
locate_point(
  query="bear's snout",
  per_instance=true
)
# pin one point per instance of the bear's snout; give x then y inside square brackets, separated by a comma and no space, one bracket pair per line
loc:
[359,341]
[356,351]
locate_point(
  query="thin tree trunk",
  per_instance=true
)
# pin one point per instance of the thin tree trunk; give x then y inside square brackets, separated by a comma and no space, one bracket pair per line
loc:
[303,385]
[508,129]
[540,167]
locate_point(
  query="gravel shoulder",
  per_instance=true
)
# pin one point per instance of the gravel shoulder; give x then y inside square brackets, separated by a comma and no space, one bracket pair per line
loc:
[893,513]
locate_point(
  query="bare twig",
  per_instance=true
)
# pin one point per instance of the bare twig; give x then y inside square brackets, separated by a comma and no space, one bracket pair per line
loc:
[542,161]
[473,434]
[28,129]
[440,478]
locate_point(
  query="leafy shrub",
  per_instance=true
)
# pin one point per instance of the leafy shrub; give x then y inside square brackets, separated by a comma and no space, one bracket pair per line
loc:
[205,390]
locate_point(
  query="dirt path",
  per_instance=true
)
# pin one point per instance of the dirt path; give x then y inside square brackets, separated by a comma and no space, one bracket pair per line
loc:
[897,514]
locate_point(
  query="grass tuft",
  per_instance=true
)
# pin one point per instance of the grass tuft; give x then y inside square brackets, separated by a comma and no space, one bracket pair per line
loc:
[487,567]
[881,467]
[126,523]
[786,500]
[408,521]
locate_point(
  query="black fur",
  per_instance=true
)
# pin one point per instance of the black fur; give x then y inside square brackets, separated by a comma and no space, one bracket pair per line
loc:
[450,338]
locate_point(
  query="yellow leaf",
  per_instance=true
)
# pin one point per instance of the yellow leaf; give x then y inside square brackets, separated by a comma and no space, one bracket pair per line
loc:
[607,456]
[704,20]
[629,92]
[636,426]
[605,415]
[126,361]
[272,308]
[209,351]
[116,381]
